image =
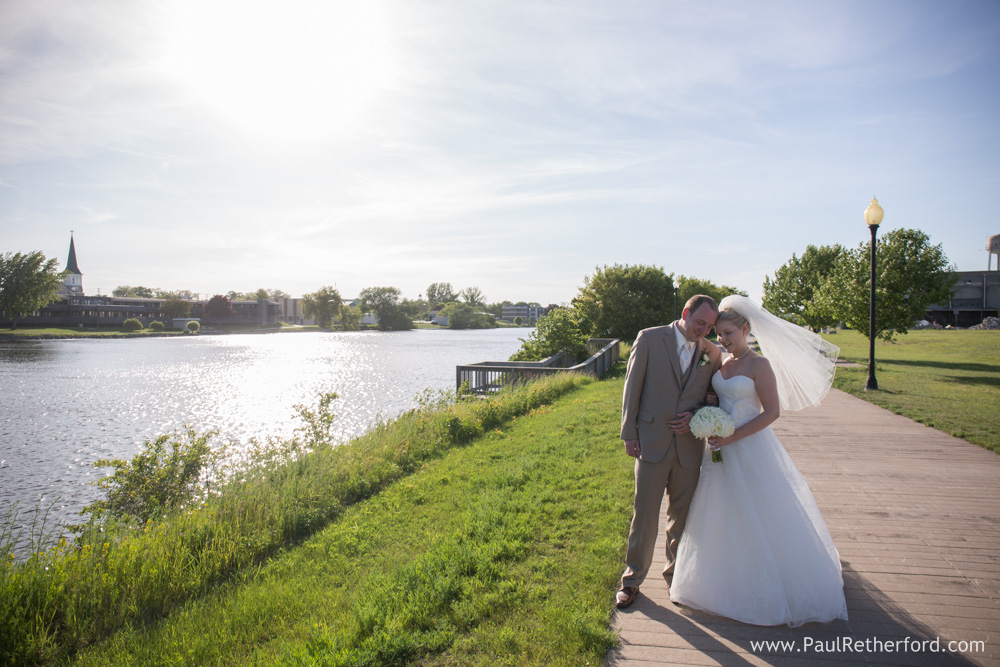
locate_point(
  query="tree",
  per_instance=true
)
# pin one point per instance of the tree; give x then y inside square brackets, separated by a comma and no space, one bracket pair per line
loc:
[136,291]
[438,293]
[473,296]
[792,293]
[557,331]
[175,307]
[618,301]
[323,305]
[912,275]
[464,316]
[688,287]
[384,303]
[350,318]
[219,308]
[185,294]
[412,308]
[28,282]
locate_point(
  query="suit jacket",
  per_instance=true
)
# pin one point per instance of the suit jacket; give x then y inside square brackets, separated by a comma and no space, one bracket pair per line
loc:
[656,389]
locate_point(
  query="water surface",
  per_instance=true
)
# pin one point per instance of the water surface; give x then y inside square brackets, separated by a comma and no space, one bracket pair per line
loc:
[66,403]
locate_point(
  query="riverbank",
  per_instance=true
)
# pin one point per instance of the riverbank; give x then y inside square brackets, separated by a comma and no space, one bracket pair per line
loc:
[505,551]
[420,538]
[61,333]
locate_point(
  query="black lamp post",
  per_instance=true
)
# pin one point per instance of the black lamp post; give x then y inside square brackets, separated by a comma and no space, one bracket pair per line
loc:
[873,216]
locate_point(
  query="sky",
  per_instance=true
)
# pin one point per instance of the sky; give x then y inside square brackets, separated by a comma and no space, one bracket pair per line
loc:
[217,145]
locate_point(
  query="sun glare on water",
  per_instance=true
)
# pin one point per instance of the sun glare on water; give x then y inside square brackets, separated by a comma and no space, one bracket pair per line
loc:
[292,70]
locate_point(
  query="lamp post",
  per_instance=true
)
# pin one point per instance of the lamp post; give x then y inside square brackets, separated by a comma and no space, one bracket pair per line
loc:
[873,217]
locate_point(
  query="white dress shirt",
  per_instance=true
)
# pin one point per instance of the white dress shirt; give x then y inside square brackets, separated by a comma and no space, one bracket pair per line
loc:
[685,349]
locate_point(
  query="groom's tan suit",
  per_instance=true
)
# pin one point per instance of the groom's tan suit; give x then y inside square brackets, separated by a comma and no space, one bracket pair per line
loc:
[657,388]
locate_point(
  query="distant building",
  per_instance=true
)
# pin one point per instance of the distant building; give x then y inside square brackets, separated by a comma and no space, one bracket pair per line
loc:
[976,296]
[74,308]
[291,312]
[528,314]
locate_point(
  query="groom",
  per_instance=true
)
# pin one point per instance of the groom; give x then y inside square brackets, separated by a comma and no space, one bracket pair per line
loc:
[669,373]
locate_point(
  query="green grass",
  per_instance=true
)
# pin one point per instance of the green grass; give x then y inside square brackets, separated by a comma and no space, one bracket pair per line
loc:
[123,581]
[506,551]
[949,380]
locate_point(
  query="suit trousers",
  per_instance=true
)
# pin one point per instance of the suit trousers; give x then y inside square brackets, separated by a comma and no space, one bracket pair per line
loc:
[651,480]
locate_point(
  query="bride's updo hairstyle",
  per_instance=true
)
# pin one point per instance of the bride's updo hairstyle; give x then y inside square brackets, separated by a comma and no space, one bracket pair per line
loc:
[730,315]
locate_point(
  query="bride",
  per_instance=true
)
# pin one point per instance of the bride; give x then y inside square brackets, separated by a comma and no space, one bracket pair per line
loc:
[756,548]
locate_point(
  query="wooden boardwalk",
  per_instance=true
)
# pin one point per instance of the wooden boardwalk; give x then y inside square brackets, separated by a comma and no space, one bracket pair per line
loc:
[915,515]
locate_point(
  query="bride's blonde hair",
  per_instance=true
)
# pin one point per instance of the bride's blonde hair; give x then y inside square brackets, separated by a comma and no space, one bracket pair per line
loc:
[731,315]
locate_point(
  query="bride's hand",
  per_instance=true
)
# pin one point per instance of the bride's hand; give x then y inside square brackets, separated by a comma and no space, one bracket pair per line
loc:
[715,442]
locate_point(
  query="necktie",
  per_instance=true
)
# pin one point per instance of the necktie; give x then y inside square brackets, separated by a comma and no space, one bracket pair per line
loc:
[687,355]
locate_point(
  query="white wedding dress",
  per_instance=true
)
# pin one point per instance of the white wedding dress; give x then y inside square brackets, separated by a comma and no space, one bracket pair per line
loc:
[755,547]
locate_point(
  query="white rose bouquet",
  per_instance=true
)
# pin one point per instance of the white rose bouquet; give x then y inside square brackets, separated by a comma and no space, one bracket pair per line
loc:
[712,421]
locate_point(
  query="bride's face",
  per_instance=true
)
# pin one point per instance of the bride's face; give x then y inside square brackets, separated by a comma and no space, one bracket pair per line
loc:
[731,337]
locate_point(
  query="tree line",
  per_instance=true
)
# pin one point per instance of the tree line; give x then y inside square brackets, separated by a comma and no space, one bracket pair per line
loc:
[465,308]
[615,302]
[824,286]
[157,293]
[832,284]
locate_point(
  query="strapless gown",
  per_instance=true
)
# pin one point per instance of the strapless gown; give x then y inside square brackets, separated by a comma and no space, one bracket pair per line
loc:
[755,547]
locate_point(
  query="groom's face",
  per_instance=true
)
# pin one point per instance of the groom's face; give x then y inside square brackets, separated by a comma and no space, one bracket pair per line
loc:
[699,322]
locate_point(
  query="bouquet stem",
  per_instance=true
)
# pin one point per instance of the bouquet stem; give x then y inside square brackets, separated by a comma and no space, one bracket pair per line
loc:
[716,456]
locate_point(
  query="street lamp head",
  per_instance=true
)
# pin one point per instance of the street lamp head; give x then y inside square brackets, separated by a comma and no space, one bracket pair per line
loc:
[874,213]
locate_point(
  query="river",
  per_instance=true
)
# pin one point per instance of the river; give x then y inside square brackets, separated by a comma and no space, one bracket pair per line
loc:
[67,403]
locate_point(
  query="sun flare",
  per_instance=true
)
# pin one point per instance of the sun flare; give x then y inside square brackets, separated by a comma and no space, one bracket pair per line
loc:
[298,70]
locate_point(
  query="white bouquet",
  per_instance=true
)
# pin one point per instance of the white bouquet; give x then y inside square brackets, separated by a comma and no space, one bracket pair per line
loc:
[712,421]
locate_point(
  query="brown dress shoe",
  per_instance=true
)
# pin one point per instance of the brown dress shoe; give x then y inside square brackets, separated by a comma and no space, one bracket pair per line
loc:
[626,596]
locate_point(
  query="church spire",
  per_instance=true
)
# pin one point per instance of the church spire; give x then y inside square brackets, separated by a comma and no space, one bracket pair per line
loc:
[71,261]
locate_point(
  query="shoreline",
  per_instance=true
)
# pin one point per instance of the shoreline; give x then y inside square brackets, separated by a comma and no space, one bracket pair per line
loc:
[8,336]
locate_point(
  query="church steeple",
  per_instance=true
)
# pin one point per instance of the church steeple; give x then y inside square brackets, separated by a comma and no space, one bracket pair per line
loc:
[71,261]
[73,282]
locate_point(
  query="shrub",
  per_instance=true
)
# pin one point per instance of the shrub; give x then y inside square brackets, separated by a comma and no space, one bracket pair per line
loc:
[558,331]
[193,327]
[132,324]
[157,479]
[156,325]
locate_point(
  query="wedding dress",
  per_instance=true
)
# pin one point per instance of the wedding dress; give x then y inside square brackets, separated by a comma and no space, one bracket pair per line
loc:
[755,547]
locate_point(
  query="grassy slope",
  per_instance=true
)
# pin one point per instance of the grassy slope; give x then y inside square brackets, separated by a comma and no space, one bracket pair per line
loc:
[504,551]
[949,380]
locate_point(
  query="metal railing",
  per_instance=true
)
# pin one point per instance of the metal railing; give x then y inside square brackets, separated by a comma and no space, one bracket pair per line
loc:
[490,376]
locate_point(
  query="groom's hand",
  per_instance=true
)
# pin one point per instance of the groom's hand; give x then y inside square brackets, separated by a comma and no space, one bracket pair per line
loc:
[632,448]
[711,398]
[680,423]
